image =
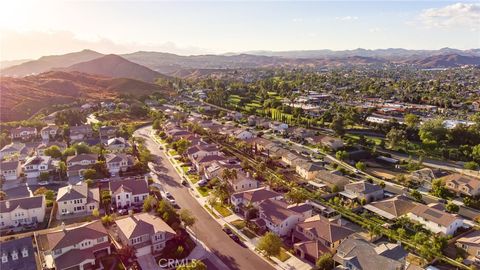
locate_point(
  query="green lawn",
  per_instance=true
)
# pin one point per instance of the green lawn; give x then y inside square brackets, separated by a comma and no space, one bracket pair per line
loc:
[283,256]
[172,152]
[248,233]
[224,211]
[203,191]
[185,169]
[210,210]
[194,178]
[239,224]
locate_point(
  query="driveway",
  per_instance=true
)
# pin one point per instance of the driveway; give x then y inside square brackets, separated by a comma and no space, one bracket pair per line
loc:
[228,254]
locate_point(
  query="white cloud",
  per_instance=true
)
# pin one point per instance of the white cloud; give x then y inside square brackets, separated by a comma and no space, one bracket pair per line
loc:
[33,44]
[465,15]
[347,18]
[376,29]
[297,20]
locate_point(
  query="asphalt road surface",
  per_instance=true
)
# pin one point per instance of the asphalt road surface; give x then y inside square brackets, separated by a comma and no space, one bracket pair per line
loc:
[228,253]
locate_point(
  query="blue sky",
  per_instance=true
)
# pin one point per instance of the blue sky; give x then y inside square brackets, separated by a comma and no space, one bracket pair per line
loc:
[30,29]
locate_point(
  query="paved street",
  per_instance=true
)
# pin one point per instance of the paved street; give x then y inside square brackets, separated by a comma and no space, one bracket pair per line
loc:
[228,253]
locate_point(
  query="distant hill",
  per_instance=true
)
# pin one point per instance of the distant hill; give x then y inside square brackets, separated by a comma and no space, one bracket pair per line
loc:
[46,63]
[445,61]
[116,67]
[22,97]
[10,63]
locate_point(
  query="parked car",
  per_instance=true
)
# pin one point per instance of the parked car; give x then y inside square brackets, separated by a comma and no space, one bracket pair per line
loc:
[122,212]
[202,183]
[184,182]
[227,230]
[43,183]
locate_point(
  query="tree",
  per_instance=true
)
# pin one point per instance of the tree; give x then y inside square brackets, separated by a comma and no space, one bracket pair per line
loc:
[411,120]
[44,176]
[95,212]
[451,207]
[438,189]
[3,195]
[361,166]
[270,243]
[89,183]
[396,137]
[89,174]
[149,203]
[401,232]
[341,155]
[193,265]
[297,195]
[471,165]
[187,218]
[325,262]
[337,125]
[476,152]
[62,169]
[416,195]
[53,151]
[432,131]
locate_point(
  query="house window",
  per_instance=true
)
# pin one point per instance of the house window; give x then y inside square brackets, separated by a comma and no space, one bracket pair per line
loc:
[25,253]
[14,255]
[100,240]
[4,258]
[136,199]
[118,197]
[126,196]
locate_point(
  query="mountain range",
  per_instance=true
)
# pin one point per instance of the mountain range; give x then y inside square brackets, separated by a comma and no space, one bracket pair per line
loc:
[147,66]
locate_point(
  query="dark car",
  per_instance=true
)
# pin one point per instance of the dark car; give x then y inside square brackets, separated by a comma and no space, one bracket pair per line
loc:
[227,230]
[184,182]
[235,238]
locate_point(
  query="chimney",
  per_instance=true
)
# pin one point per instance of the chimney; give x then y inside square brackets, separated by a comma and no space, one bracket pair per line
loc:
[248,174]
[7,204]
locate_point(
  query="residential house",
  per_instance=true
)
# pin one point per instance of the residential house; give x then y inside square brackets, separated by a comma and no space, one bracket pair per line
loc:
[278,127]
[391,208]
[49,132]
[200,163]
[79,133]
[146,233]
[77,200]
[281,218]
[22,211]
[242,134]
[78,163]
[308,170]
[252,120]
[327,141]
[356,253]
[426,176]
[333,181]
[260,144]
[18,254]
[23,133]
[242,182]
[78,247]
[107,105]
[435,220]
[293,159]
[318,235]
[45,145]
[362,190]
[128,192]
[36,165]
[117,163]
[107,132]
[235,116]
[470,243]
[253,197]
[14,149]
[201,150]
[302,133]
[117,144]
[10,170]
[462,184]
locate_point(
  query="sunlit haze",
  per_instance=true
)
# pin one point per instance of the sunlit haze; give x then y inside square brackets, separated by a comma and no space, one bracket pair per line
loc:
[30,29]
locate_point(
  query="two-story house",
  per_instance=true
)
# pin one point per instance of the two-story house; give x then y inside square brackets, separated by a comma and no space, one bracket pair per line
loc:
[281,218]
[470,243]
[278,127]
[462,184]
[434,219]
[363,190]
[36,165]
[78,133]
[356,253]
[318,235]
[117,163]
[391,208]
[23,133]
[253,197]
[201,150]
[242,181]
[107,132]
[117,144]
[128,192]
[78,163]
[293,159]
[146,233]
[308,170]
[49,132]
[77,200]
[78,247]
[10,170]
[21,211]
[327,141]
[14,149]
[17,254]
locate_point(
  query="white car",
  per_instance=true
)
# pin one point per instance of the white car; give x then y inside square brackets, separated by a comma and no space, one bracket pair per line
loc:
[43,183]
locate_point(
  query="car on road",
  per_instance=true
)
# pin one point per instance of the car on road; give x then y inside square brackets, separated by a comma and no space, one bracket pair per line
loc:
[122,212]
[227,230]
[43,183]
[184,182]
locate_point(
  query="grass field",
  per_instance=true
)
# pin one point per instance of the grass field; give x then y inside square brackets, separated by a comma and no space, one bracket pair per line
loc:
[239,224]
[222,210]
[203,191]
[283,256]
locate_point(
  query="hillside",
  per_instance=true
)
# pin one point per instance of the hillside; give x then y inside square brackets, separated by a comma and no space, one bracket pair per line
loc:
[116,67]
[445,61]
[46,63]
[22,97]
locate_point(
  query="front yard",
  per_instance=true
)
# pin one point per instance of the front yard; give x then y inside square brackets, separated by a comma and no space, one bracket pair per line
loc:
[204,191]
[222,210]
[283,255]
